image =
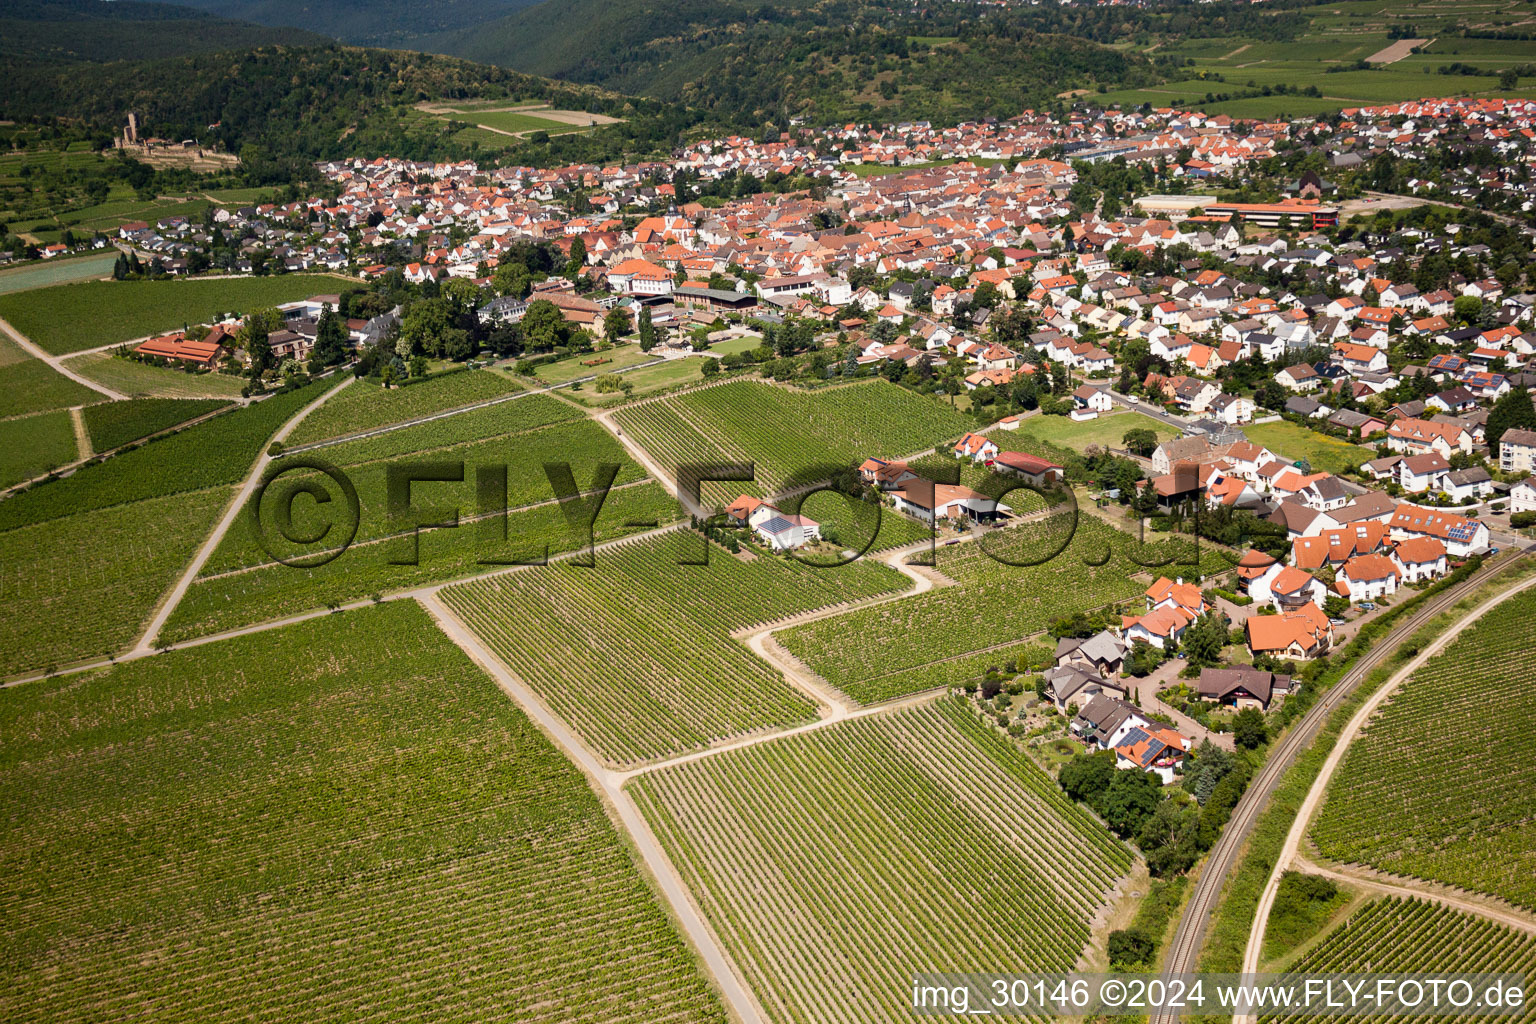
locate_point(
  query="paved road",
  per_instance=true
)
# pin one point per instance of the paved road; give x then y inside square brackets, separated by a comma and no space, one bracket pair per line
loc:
[1155,412]
[33,349]
[1293,839]
[1183,954]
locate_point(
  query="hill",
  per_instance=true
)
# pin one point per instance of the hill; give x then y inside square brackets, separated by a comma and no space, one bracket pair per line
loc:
[282,108]
[827,60]
[376,23]
[90,30]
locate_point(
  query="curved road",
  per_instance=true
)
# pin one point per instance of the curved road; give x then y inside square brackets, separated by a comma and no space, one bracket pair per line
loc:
[1183,955]
[1293,839]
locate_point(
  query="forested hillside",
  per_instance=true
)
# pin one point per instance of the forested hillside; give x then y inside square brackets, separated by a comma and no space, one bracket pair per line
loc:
[283,108]
[372,22]
[829,59]
[91,30]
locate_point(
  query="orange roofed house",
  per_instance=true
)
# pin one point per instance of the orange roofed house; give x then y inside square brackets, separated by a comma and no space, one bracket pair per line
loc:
[178,348]
[1297,635]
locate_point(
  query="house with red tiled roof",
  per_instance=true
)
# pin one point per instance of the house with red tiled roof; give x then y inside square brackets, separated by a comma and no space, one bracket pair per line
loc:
[1367,578]
[1286,588]
[1297,635]
[178,348]
[976,447]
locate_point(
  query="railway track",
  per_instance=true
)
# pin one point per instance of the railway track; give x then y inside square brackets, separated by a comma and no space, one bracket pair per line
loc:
[1189,938]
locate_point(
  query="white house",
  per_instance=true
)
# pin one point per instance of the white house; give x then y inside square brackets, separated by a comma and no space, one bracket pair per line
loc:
[1522,496]
[976,447]
[784,532]
[1460,535]
[1367,578]
[1419,473]
[1092,400]
[1422,558]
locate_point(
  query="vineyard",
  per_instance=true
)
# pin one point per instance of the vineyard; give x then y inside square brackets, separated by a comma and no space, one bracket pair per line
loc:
[340,820]
[89,314]
[583,444]
[31,385]
[141,380]
[112,424]
[837,863]
[83,586]
[786,431]
[1439,786]
[636,654]
[227,602]
[220,451]
[950,634]
[1400,935]
[33,445]
[364,405]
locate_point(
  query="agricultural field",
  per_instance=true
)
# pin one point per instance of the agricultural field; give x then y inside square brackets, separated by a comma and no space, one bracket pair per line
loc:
[90,314]
[112,424]
[836,863]
[638,656]
[245,597]
[1107,430]
[30,385]
[954,633]
[785,431]
[33,445]
[248,831]
[363,405]
[219,451]
[1406,801]
[522,454]
[141,380]
[57,271]
[1291,441]
[1402,935]
[83,586]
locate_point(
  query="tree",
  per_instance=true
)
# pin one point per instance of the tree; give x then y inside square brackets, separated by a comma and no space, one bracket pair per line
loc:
[1511,412]
[578,258]
[1146,501]
[1130,799]
[1140,441]
[1467,308]
[616,323]
[427,328]
[1204,640]
[1248,729]
[1130,947]
[1170,838]
[331,342]
[253,339]
[647,331]
[544,326]
[710,367]
[1086,777]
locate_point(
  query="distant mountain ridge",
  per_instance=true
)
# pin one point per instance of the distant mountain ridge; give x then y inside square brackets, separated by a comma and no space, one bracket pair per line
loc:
[94,30]
[393,23]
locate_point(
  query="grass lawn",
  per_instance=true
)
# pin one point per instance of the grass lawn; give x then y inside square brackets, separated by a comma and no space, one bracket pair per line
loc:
[33,445]
[646,380]
[516,121]
[140,380]
[1108,429]
[71,317]
[735,346]
[875,170]
[1290,441]
[57,271]
[575,366]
